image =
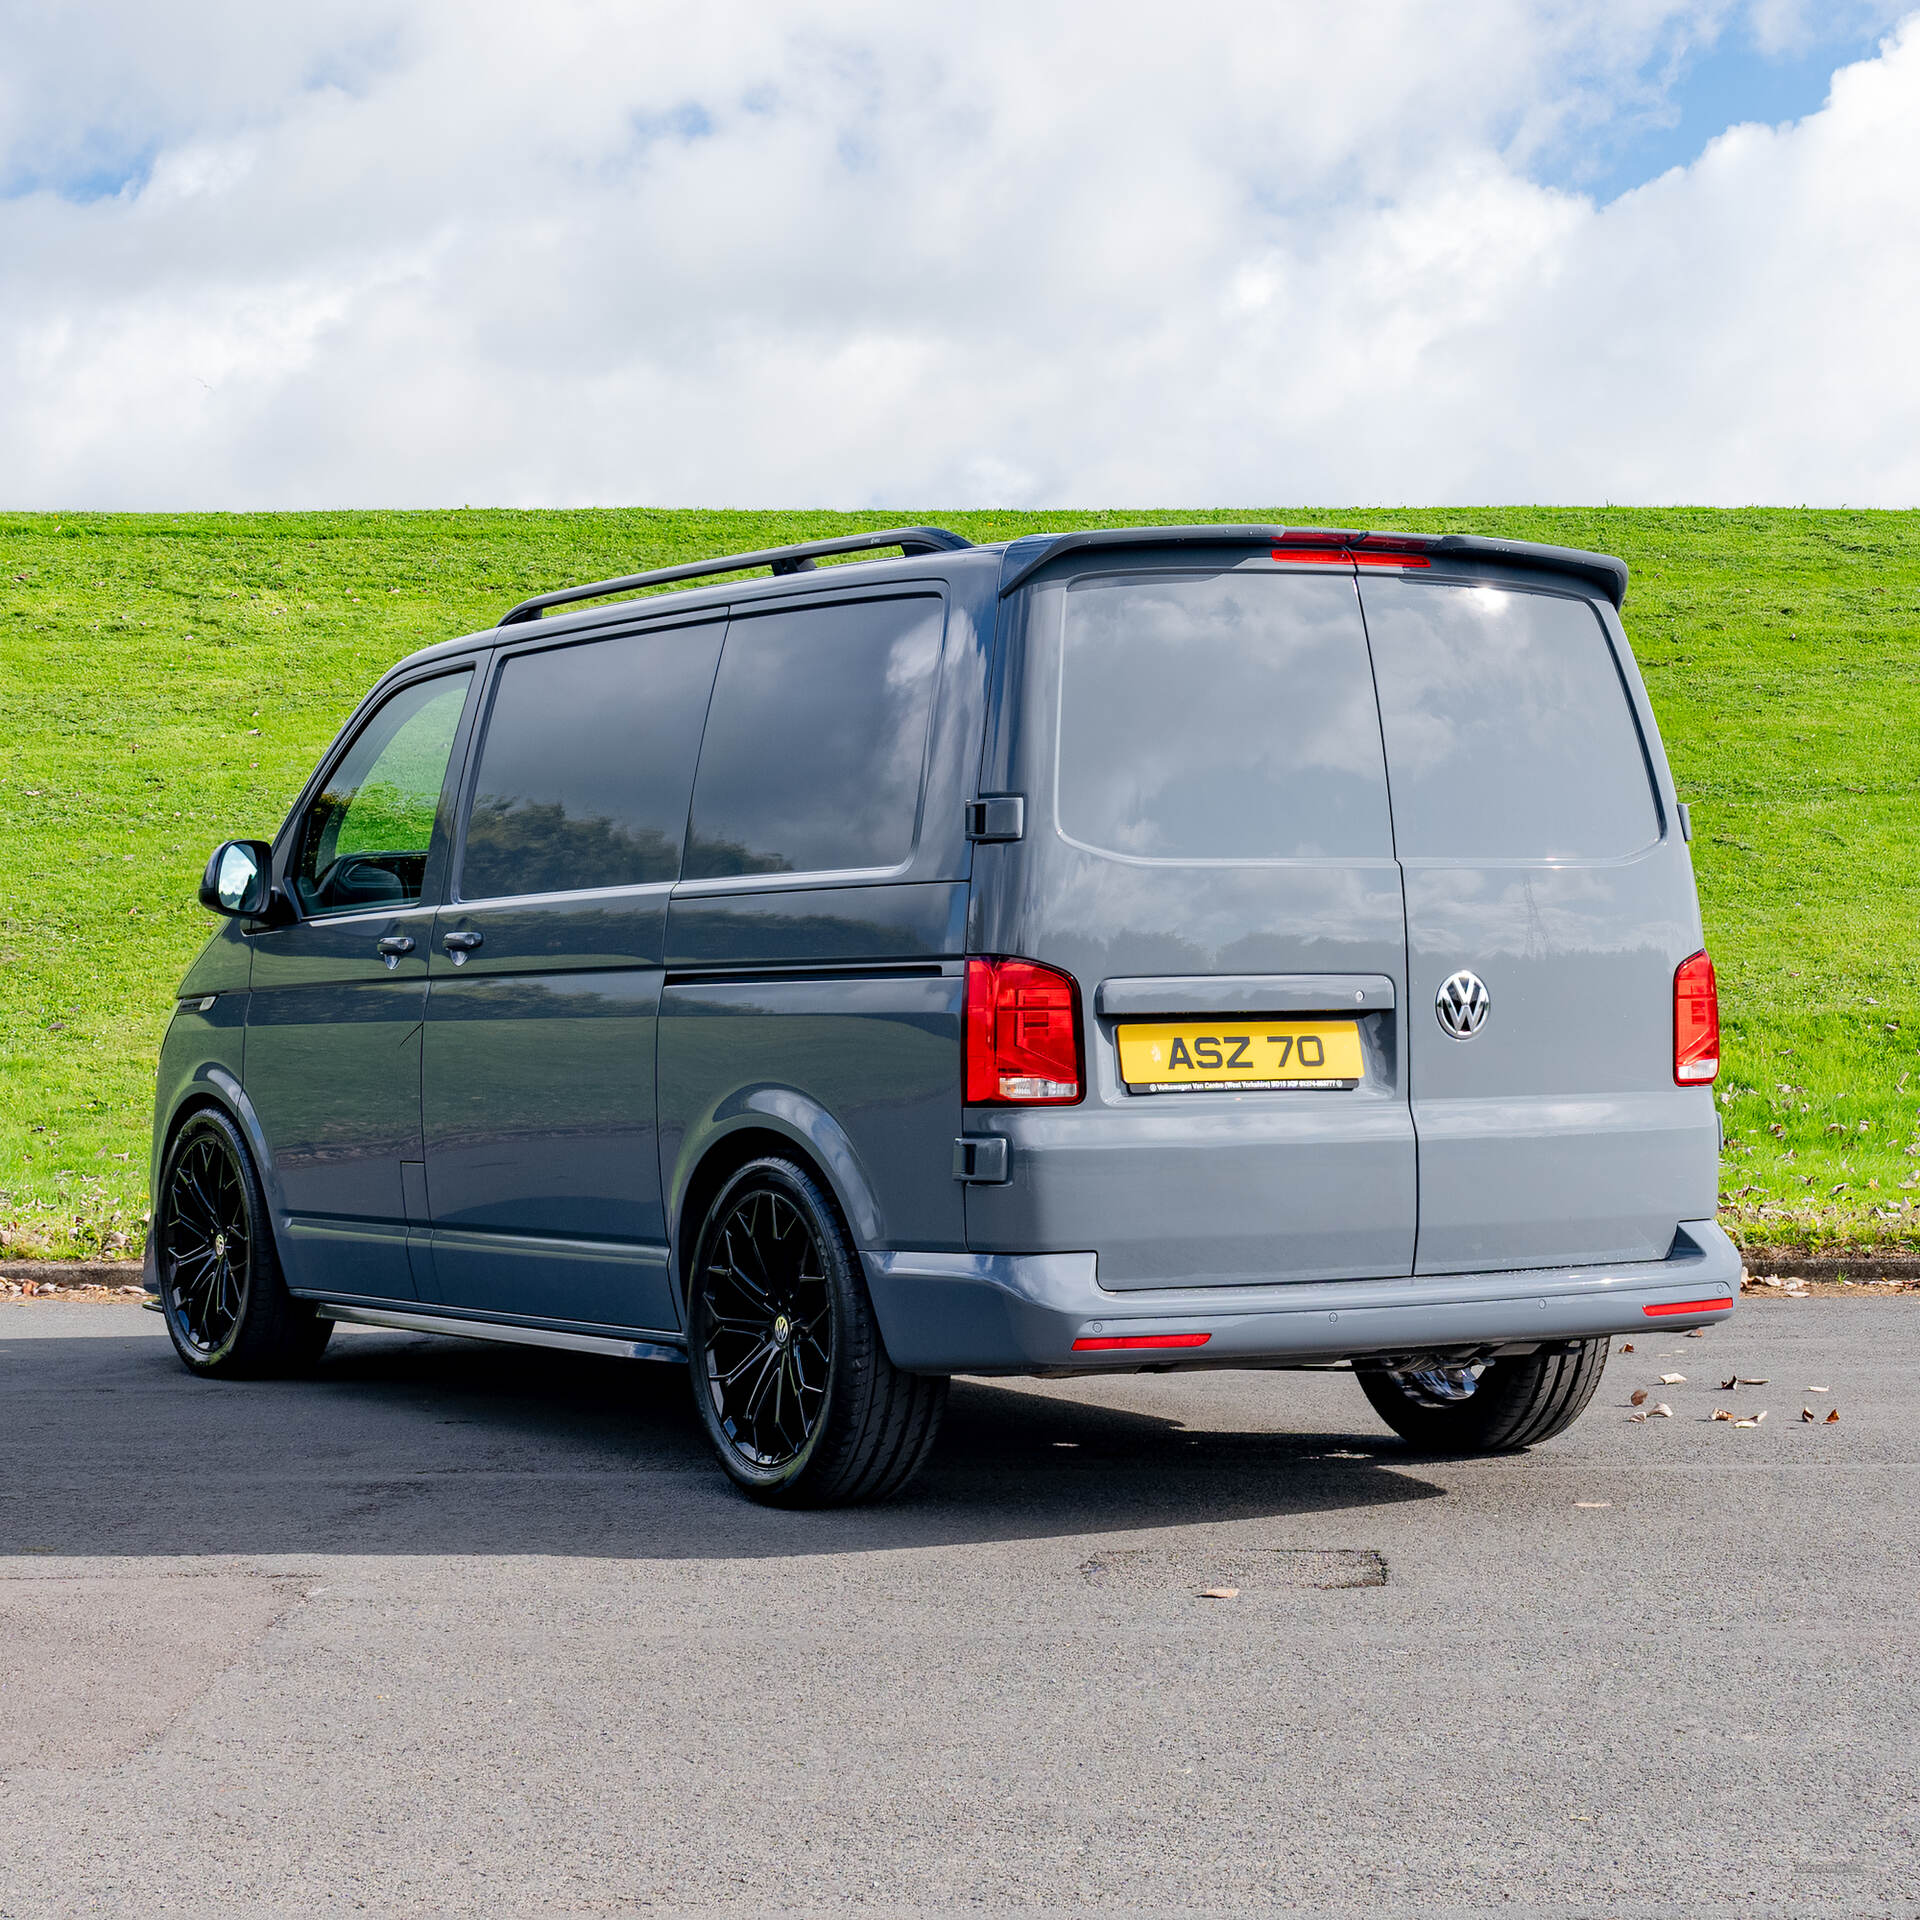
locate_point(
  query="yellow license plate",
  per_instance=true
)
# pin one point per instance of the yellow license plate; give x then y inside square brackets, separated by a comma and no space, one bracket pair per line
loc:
[1252,1056]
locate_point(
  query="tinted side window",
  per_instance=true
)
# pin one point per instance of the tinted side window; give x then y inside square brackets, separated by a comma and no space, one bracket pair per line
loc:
[816,739]
[1221,718]
[1509,733]
[587,763]
[363,843]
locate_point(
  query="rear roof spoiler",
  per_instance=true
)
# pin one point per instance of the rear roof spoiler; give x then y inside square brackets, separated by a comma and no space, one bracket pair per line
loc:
[1031,552]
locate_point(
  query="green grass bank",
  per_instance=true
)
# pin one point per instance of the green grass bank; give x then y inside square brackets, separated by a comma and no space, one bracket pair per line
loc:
[167,681]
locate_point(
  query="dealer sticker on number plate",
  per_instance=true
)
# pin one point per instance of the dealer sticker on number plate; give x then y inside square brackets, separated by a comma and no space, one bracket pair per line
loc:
[1250,1056]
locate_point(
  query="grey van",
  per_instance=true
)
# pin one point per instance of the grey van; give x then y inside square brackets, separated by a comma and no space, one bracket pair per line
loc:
[1179,947]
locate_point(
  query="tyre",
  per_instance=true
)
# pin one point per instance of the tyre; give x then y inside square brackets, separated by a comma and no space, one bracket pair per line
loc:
[790,1376]
[226,1306]
[1498,1408]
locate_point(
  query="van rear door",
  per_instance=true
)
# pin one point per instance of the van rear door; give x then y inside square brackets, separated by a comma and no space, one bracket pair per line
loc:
[1548,904]
[1208,852]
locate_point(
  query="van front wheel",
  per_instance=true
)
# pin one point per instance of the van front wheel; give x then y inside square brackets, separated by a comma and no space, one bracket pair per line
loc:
[1498,1408]
[227,1307]
[790,1377]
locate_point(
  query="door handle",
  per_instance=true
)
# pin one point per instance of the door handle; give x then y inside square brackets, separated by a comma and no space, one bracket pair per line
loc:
[392,947]
[460,945]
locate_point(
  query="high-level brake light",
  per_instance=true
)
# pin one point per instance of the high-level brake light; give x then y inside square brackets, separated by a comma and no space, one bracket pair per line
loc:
[1696,1022]
[1371,551]
[1023,1034]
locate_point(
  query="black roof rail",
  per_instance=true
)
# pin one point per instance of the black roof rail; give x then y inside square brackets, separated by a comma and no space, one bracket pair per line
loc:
[1032,551]
[794,559]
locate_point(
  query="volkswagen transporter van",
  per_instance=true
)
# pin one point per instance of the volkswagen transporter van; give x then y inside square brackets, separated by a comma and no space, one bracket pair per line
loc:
[1183,947]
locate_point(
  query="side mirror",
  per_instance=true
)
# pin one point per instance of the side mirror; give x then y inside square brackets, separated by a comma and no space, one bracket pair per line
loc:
[239,879]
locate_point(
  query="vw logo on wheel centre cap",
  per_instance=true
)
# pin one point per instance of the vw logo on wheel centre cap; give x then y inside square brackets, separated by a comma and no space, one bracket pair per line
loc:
[1463,1004]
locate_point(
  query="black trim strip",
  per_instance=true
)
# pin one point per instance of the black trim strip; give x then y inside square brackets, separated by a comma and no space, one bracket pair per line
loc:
[837,970]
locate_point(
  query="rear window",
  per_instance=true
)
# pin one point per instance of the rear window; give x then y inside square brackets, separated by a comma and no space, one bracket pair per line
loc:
[816,740]
[1222,717]
[587,763]
[1509,732]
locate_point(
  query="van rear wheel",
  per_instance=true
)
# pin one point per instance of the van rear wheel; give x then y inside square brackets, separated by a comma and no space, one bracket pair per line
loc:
[790,1377]
[1498,1408]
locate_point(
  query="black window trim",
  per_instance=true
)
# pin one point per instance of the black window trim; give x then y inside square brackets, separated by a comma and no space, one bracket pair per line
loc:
[536,642]
[1189,567]
[824,595]
[434,883]
[1594,603]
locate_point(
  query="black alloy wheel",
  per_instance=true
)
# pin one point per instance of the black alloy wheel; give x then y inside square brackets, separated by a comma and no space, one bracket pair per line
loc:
[226,1306]
[769,1327]
[790,1375]
[204,1251]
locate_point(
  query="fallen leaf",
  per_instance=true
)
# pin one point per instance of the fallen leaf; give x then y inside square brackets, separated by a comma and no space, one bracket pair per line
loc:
[1638,1398]
[1727,1385]
[1817,1389]
[1628,1348]
[1746,1423]
[1673,1379]
[1663,1410]
[1831,1418]
[1808,1415]
[1636,1416]
[1219,1593]
[1593,1503]
[1745,1382]
[1721,1413]
[1697,1333]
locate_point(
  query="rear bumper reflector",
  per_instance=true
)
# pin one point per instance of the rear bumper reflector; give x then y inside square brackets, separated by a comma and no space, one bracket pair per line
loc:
[1142,1340]
[1662,1307]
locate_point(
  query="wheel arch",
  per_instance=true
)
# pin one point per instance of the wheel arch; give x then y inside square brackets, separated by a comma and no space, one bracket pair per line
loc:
[216,1087]
[767,1121]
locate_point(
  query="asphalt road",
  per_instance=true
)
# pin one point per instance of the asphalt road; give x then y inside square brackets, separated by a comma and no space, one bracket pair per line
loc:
[464,1630]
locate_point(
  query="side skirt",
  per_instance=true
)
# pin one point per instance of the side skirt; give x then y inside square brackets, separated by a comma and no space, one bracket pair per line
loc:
[462,1329]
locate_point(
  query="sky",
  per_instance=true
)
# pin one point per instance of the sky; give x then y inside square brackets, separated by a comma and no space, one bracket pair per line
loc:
[835,253]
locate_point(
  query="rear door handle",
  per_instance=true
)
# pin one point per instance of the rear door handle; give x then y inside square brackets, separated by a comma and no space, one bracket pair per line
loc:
[392,947]
[460,945]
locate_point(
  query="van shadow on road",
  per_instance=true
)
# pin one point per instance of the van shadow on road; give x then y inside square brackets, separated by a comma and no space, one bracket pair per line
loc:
[404,1445]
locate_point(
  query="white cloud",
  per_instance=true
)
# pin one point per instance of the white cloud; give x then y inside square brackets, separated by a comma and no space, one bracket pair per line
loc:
[433,253]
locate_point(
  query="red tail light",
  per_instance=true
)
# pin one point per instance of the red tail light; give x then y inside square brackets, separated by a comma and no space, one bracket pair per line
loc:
[1023,1033]
[1696,1022]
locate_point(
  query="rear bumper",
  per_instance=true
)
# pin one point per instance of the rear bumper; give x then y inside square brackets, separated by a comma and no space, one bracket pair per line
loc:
[1021,1313]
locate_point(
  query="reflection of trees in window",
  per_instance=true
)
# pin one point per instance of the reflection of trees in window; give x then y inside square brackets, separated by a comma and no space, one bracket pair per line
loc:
[716,859]
[535,846]
[381,799]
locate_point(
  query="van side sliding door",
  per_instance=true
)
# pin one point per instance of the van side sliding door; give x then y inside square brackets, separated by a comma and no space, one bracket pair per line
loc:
[543,1177]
